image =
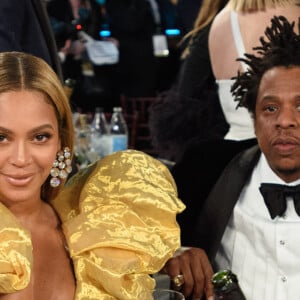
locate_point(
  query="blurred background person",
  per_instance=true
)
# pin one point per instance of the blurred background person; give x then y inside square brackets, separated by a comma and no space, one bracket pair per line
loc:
[25,27]
[134,23]
[67,17]
[235,31]
[190,109]
[94,85]
[187,11]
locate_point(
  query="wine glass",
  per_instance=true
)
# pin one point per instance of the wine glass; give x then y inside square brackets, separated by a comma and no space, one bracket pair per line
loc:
[165,294]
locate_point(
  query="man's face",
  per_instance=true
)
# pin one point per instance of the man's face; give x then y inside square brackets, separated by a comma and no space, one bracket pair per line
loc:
[277,123]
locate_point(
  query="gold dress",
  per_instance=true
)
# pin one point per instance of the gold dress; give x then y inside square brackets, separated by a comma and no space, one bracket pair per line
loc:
[119,219]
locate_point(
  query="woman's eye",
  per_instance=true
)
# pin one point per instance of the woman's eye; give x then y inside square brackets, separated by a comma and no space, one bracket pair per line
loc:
[42,137]
[2,137]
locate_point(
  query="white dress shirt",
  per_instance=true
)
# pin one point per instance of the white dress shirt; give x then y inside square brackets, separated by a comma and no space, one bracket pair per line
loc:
[263,253]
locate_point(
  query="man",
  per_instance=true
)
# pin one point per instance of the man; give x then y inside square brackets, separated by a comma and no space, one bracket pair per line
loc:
[240,227]
[25,27]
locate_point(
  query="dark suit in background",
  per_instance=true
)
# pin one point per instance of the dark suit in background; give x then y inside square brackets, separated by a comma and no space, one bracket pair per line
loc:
[132,24]
[25,27]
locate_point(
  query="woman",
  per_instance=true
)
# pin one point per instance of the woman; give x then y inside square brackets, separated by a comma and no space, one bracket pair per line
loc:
[184,113]
[100,236]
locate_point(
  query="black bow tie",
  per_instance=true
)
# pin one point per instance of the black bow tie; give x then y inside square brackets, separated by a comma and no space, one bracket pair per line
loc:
[275,197]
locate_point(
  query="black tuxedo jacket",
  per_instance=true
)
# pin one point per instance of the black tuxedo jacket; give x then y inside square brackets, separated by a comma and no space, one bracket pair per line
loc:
[25,27]
[219,205]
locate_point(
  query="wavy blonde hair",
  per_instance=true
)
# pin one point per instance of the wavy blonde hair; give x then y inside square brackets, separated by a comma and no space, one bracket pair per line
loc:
[255,5]
[207,12]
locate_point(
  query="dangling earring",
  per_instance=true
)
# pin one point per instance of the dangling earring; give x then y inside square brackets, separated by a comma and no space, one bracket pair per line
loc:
[61,167]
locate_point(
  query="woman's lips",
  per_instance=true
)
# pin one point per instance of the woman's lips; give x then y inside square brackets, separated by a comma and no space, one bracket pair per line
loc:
[19,180]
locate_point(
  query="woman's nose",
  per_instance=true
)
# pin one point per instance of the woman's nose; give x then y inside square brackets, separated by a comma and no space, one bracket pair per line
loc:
[20,155]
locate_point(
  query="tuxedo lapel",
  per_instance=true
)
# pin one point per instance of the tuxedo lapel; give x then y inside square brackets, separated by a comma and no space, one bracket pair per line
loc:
[220,203]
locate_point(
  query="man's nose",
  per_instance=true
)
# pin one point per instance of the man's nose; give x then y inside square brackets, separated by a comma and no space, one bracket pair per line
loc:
[288,117]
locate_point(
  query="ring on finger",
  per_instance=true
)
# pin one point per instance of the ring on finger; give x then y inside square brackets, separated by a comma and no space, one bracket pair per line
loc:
[178,280]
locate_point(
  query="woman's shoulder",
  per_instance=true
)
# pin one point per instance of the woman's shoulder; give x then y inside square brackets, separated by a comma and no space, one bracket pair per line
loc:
[220,30]
[128,172]
[222,18]
[119,219]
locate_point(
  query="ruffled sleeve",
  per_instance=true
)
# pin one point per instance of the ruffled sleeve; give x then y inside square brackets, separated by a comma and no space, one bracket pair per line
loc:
[15,253]
[119,218]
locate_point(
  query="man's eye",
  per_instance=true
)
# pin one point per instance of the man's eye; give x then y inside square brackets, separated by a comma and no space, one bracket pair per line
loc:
[270,108]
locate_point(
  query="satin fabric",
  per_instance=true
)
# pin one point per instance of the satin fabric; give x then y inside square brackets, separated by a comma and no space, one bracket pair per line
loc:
[15,253]
[119,220]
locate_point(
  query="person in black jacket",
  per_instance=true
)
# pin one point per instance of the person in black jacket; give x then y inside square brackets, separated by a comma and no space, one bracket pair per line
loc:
[25,27]
[132,24]
[193,97]
[250,221]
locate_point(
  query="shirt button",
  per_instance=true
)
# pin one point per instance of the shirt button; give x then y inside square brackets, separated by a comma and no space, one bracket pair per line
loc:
[282,242]
[283,279]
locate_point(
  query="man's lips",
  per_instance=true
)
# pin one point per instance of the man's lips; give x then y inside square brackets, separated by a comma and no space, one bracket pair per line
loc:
[286,144]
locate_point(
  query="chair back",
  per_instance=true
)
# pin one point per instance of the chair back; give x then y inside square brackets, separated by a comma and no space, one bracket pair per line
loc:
[143,141]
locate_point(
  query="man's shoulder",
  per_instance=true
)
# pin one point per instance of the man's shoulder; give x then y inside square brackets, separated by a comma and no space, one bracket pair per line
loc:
[249,155]
[243,163]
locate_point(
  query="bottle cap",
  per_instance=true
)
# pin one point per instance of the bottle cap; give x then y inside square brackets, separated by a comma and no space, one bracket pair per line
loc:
[69,82]
[223,279]
[99,109]
[117,109]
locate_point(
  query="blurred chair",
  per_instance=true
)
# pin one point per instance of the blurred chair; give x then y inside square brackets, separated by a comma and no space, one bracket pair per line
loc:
[143,141]
[132,123]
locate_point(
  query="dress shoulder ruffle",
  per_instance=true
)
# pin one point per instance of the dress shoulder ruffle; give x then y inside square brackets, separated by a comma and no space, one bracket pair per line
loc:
[119,219]
[15,253]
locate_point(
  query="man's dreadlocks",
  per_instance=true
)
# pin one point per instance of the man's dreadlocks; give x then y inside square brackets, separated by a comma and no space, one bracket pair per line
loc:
[282,49]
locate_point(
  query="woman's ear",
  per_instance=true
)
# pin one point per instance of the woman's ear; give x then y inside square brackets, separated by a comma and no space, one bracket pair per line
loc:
[59,145]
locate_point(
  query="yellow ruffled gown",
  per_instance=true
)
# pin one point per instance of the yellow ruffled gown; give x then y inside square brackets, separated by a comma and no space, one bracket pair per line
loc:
[119,219]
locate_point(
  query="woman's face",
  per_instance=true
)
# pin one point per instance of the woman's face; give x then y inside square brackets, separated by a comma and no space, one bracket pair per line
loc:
[29,141]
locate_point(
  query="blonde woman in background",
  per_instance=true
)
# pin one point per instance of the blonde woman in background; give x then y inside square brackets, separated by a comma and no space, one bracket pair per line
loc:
[206,14]
[184,101]
[235,31]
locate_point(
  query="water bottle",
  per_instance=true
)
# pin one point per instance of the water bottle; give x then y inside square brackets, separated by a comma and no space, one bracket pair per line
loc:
[226,286]
[118,130]
[99,124]
[100,129]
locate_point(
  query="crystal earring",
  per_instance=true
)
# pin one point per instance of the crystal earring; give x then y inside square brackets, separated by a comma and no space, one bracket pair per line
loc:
[61,167]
